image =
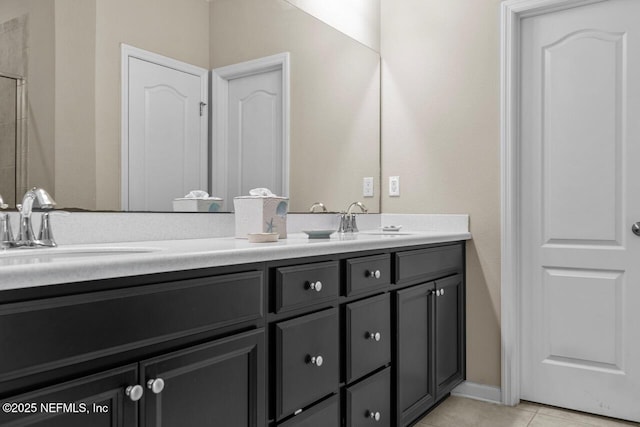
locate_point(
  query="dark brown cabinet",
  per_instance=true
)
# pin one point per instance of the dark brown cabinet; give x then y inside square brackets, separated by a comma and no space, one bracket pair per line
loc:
[368,403]
[219,383]
[368,335]
[449,334]
[98,400]
[430,330]
[414,352]
[307,360]
[346,340]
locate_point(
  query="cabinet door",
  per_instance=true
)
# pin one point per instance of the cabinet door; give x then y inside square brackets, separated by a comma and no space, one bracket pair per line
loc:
[324,414]
[220,383]
[368,403]
[98,401]
[414,356]
[368,335]
[450,337]
[307,360]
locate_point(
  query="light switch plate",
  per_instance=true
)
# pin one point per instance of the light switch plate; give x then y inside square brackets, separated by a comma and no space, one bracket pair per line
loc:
[367,186]
[394,186]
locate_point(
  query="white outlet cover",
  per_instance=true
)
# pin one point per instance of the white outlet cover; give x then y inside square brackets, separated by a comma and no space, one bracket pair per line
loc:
[394,186]
[367,186]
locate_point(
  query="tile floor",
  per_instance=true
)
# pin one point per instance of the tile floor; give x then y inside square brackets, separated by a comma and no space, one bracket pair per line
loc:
[461,412]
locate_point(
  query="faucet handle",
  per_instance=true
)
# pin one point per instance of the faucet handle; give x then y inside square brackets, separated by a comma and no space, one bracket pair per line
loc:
[45,236]
[6,234]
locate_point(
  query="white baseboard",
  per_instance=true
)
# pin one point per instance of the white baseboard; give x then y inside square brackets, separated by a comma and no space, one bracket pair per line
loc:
[483,392]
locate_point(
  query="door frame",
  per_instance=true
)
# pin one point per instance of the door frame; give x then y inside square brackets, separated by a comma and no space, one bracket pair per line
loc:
[512,12]
[220,111]
[126,52]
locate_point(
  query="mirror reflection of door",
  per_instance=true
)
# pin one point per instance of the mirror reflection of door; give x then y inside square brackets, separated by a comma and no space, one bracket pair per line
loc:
[165,147]
[8,117]
[250,144]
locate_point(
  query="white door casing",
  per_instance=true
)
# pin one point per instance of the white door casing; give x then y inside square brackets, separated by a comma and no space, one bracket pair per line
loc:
[250,136]
[571,287]
[164,130]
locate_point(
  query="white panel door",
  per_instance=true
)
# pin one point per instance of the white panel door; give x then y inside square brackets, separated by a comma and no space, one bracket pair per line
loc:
[580,192]
[255,145]
[167,140]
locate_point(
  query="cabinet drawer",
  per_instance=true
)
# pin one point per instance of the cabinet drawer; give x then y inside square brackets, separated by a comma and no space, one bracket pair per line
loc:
[307,365]
[51,333]
[368,326]
[304,285]
[426,264]
[324,414]
[367,273]
[369,402]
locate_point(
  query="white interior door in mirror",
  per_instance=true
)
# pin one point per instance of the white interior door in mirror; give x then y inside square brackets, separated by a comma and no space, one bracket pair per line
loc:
[580,102]
[167,153]
[255,133]
[250,140]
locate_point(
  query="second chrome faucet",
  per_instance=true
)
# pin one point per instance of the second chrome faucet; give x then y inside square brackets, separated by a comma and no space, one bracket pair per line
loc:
[348,218]
[26,237]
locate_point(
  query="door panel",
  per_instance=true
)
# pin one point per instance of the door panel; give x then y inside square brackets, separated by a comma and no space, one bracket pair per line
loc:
[166,133]
[219,383]
[449,334]
[414,358]
[98,400]
[255,134]
[580,100]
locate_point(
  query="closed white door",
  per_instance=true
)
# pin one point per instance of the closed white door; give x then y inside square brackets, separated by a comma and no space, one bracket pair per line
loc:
[255,134]
[167,135]
[580,192]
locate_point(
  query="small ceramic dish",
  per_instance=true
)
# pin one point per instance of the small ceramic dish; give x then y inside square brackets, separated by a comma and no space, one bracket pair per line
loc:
[319,234]
[391,228]
[263,237]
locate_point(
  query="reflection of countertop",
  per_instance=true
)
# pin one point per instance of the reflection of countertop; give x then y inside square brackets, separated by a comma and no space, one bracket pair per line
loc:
[23,268]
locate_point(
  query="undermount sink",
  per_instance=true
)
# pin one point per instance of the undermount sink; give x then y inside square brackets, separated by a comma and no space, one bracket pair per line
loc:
[14,256]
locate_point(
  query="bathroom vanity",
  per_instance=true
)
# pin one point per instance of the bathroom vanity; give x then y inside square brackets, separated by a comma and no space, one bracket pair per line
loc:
[367,331]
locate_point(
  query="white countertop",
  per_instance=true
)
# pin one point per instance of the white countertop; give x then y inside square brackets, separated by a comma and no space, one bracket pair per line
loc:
[23,268]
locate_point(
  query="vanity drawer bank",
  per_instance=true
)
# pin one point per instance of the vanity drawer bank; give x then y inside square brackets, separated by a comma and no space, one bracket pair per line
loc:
[358,333]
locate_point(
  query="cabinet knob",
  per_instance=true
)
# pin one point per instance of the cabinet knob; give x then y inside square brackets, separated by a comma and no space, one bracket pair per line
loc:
[156,385]
[134,392]
[437,292]
[441,291]
[374,274]
[373,415]
[376,336]
[315,360]
[315,286]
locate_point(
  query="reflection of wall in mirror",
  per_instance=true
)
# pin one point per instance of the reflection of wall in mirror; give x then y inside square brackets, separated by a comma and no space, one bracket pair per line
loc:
[335,96]
[74,89]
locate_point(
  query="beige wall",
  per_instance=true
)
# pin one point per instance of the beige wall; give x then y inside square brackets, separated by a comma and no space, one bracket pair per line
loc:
[178,29]
[35,61]
[334,96]
[75,150]
[440,134]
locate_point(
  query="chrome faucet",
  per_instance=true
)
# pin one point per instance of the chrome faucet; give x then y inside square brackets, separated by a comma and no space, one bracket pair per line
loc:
[26,236]
[317,205]
[6,235]
[348,219]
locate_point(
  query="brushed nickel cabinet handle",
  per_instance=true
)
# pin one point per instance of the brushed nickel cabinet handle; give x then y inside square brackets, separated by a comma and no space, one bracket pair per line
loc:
[134,392]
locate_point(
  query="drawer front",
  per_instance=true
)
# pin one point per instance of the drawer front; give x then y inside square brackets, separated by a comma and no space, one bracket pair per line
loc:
[368,345]
[307,365]
[304,285]
[369,402]
[427,264]
[324,414]
[51,333]
[367,273]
